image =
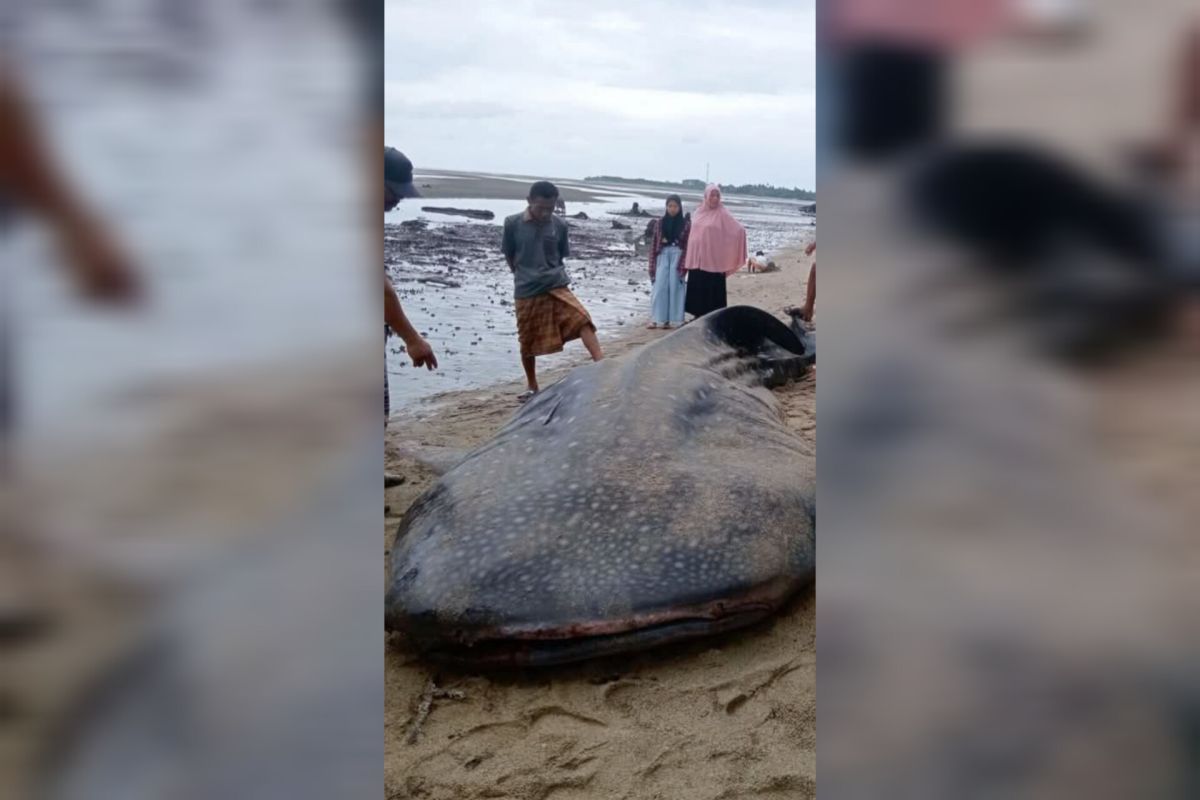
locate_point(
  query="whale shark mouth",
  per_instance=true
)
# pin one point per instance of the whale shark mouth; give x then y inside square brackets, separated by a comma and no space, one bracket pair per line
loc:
[499,654]
[501,647]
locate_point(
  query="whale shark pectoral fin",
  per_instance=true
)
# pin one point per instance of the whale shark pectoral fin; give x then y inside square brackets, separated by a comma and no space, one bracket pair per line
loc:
[436,457]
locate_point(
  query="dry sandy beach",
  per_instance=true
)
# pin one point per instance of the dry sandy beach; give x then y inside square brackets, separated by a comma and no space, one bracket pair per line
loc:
[730,717]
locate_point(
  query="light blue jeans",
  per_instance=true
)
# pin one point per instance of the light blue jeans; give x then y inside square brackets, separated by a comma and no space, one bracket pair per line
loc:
[666,298]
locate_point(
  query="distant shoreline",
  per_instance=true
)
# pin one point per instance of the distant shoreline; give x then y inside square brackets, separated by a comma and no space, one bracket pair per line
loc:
[437,184]
[746,190]
[444,183]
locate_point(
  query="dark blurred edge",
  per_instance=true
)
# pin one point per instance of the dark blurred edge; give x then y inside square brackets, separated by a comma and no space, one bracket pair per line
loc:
[188,709]
[1003,610]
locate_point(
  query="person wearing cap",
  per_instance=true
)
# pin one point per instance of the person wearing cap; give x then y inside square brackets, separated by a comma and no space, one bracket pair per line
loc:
[398,184]
[397,178]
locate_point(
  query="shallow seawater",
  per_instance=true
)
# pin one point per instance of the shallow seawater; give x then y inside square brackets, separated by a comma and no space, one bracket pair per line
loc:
[457,290]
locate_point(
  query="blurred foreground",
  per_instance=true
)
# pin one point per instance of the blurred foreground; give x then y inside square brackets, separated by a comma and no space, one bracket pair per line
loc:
[1008,602]
[185,607]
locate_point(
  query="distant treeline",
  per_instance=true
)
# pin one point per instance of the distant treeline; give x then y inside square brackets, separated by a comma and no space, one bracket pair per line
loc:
[752,189]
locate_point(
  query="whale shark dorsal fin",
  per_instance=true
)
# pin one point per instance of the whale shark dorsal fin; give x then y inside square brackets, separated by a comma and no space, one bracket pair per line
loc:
[435,457]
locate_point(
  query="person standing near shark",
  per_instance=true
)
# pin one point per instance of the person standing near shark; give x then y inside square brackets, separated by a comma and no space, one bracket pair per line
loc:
[668,237]
[398,184]
[716,249]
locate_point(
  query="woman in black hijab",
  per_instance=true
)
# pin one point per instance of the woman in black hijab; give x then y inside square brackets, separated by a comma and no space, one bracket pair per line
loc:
[668,255]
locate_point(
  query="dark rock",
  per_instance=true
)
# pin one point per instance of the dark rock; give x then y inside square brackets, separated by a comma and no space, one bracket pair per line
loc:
[619,226]
[440,282]
[473,213]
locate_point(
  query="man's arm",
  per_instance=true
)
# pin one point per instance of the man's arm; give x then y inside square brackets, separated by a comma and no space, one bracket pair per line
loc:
[810,298]
[564,246]
[508,246]
[393,314]
[30,178]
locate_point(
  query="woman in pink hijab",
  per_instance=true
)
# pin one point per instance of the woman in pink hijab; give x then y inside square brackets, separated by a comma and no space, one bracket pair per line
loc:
[716,249]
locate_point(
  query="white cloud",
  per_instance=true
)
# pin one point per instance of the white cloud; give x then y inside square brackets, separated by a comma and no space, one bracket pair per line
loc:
[567,90]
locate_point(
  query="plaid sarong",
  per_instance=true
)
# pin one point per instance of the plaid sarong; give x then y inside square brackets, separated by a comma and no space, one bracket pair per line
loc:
[547,321]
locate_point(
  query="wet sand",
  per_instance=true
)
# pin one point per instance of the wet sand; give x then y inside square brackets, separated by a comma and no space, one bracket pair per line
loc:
[730,717]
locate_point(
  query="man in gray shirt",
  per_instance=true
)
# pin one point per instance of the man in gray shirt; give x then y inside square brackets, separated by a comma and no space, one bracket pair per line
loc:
[548,314]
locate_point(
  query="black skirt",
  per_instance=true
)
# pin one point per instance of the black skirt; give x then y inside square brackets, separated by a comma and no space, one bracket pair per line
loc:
[705,292]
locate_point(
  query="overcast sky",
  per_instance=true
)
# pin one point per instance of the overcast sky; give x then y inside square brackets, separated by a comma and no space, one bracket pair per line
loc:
[652,89]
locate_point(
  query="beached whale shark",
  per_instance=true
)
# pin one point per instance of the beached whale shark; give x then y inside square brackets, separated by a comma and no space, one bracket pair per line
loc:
[638,501]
